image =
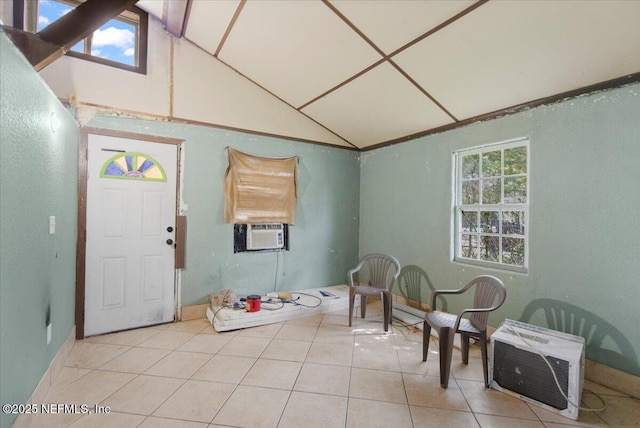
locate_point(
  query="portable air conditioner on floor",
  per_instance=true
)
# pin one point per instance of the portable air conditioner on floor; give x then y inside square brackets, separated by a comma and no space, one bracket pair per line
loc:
[520,370]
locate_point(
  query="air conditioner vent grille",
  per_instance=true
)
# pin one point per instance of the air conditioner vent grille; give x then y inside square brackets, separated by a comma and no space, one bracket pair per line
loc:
[266,236]
[266,226]
[526,373]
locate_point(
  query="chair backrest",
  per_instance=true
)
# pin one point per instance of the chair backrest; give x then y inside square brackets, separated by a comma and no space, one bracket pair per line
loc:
[490,294]
[413,282]
[410,282]
[378,267]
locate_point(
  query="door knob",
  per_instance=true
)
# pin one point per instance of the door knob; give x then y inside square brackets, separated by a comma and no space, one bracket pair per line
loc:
[169,229]
[169,241]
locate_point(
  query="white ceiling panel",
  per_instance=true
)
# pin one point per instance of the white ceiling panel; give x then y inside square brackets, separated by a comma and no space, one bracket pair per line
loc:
[378,106]
[390,24]
[295,49]
[208,21]
[299,63]
[208,91]
[506,53]
[153,7]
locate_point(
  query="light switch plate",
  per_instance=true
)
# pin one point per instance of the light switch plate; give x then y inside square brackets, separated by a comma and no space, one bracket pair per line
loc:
[52,225]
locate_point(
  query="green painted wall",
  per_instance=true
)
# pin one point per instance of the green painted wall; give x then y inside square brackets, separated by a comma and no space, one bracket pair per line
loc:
[323,241]
[584,245]
[585,198]
[38,179]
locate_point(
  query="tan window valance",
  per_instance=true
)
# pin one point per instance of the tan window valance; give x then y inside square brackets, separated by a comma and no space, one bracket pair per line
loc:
[260,190]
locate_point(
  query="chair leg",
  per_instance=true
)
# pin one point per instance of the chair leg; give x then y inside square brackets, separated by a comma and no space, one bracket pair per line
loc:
[445,340]
[363,305]
[426,338]
[386,311]
[464,348]
[485,366]
[390,305]
[352,300]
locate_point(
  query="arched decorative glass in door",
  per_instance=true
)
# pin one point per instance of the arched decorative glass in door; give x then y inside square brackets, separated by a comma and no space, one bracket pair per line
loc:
[133,166]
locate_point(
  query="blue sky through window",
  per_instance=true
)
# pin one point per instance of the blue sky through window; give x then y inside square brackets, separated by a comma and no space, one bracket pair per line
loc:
[114,41]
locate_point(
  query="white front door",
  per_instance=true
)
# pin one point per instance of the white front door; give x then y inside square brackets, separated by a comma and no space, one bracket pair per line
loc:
[131,212]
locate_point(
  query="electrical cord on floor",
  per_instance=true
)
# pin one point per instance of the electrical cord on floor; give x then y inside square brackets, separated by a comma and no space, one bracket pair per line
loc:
[555,378]
[408,331]
[230,306]
[281,302]
[272,302]
[296,302]
[275,281]
[404,324]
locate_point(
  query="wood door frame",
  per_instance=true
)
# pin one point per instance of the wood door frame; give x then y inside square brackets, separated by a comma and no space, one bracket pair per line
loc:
[81,242]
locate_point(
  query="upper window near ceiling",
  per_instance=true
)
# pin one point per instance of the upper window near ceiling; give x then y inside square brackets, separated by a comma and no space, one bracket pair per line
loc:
[492,205]
[120,42]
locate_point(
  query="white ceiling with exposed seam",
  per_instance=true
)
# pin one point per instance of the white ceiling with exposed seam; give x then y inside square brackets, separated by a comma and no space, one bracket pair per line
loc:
[371,72]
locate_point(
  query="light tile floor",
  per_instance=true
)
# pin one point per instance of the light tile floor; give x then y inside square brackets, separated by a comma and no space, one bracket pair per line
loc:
[309,372]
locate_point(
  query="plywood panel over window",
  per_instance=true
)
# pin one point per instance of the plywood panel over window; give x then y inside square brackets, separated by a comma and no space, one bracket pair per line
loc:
[260,190]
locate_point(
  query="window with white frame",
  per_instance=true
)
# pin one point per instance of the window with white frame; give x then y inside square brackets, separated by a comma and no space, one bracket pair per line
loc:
[492,205]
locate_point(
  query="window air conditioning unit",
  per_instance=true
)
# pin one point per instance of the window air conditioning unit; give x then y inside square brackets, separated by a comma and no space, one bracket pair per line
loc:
[265,236]
[519,369]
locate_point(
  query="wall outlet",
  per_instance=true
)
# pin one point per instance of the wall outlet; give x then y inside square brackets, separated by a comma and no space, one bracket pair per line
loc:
[48,334]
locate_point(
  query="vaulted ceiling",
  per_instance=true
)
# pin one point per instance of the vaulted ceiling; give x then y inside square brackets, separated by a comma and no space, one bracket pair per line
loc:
[377,72]
[367,73]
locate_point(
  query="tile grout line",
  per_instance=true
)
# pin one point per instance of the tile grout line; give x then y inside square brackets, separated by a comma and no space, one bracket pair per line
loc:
[404,385]
[395,334]
[298,375]
[237,385]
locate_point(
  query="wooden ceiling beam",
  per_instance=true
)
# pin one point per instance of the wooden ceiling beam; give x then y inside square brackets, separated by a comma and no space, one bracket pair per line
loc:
[56,39]
[83,21]
[38,52]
